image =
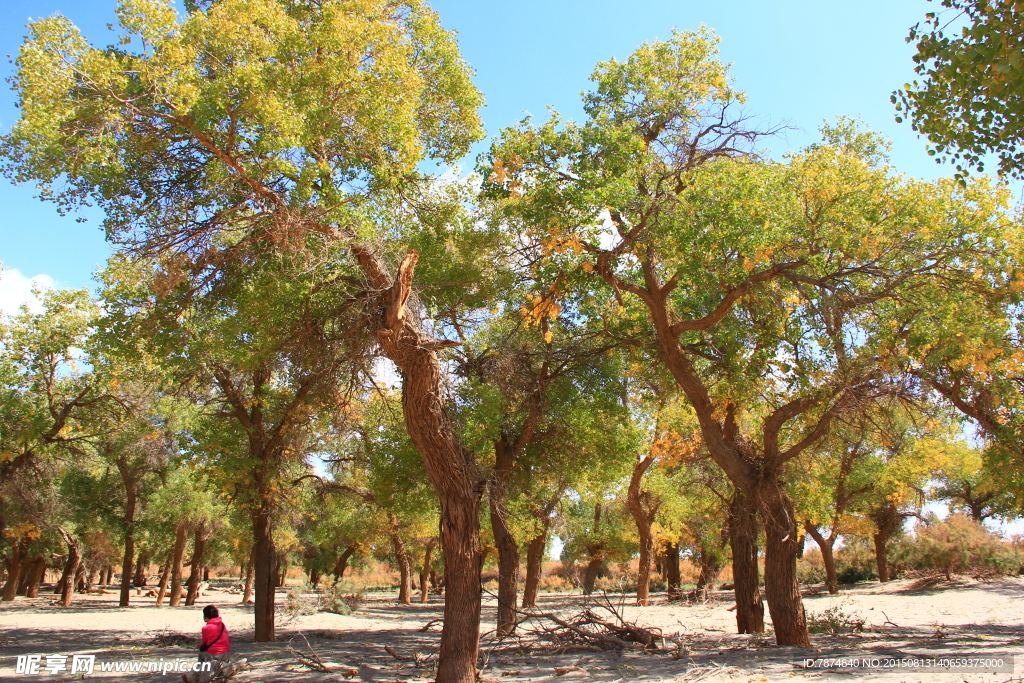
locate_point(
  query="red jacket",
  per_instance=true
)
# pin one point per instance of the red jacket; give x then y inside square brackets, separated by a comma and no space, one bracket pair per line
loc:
[215,634]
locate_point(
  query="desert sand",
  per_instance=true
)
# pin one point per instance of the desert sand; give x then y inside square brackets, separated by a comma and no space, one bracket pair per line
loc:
[386,641]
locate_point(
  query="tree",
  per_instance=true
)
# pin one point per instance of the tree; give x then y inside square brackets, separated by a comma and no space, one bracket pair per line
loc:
[968,103]
[269,123]
[747,278]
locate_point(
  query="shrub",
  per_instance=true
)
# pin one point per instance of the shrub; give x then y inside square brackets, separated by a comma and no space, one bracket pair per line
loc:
[959,545]
[855,574]
[833,620]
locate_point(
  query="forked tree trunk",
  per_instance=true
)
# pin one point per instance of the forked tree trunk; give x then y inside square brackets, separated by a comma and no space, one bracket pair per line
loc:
[455,476]
[673,581]
[404,564]
[827,556]
[782,588]
[743,541]
[504,541]
[14,568]
[70,567]
[165,574]
[198,549]
[180,541]
[643,506]
[428,557]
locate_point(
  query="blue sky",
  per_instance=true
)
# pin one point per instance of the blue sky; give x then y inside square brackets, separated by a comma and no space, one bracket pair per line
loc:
[800,62]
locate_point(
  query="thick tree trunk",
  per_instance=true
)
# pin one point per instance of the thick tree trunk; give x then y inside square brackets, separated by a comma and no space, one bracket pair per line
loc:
[643,507]
[743,541]
[534,563]
[428,557]
[67,580]
[264,561]
[782,588]
[165,574]
[180,542]
[37,571]
[673,581]
[198,549]
[827,556]
[504,541]
[455,476]
[14,568]
[404,564]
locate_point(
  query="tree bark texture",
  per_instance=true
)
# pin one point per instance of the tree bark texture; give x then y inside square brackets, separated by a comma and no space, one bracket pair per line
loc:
[743,541]
[264,564]
[782,588]
[130,506]
[455,476]
[643,506]
[710,568]
[342,564]
[887,521]
[247,590]
[534,564]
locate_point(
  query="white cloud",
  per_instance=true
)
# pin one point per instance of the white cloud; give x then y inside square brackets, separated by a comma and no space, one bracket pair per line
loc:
[16,289]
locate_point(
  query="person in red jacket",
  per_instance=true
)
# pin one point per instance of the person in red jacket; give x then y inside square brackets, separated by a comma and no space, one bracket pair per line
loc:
[214,646]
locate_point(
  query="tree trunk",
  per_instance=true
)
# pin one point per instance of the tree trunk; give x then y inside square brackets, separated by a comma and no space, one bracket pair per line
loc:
[36,573]
[206,573]
[13,564]
[782,588]
[404,564]
[67,580]
[425,572]
[342,564]
[590,576]
[710,568]
[264,561]
[141,565]
[202,534]
[455,476]
[827,556]
[534,564]
[131,504]
[161,589]
[673,581]
[247,591]
[886,519]
[504,541]
[643,506]
[180,542]
[743,541]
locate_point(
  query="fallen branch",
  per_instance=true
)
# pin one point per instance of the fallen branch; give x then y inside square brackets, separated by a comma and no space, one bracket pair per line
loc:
[311,660]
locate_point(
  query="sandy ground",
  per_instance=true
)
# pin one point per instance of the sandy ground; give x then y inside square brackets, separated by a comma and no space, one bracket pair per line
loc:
[967,619]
